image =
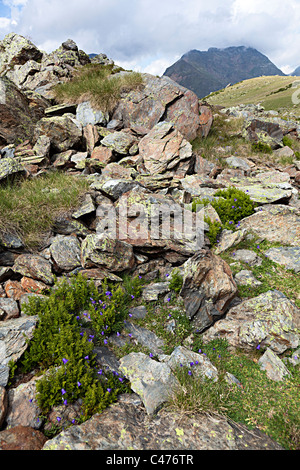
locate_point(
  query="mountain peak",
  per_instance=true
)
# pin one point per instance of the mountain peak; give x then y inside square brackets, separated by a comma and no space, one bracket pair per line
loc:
[206,71]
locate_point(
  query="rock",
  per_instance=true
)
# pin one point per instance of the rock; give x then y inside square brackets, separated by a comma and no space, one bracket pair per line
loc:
[115,188]
[125,425]
[151,380]
[3,405]
[272,225]
[163,148]
[17,117]
[241,163]
[17,50]
[120,142]
[22,438]
[67,226]
[274,367]
[10,308]
[263,131]
[42,146]
[199,364]
[98,250]
[14,290]
[202,166]
[66,252]
[5,273]
[287,256]
[247,256]
[11,167]
[228,239]
[208,288]
[145,337]
[87,207]
[91,138]
[138,312]
[246,278]
[154,291]
[64,132]
[161,98]
[86,114]
[103,154]
[266,195]
[269,321]
[206,119]
[34,266]
[284,152]
[23,409]
[14,335]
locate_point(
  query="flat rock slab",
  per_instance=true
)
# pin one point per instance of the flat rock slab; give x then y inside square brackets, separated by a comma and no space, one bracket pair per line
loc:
[274,367]
[270,320]
[287,256]
[126,426]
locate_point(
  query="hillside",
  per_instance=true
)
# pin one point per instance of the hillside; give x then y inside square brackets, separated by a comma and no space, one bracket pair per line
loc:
[272,92]
[149,263]
[206,71]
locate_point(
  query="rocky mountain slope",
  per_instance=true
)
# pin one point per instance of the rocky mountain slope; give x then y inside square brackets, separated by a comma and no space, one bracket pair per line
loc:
[204,72]
[159,147]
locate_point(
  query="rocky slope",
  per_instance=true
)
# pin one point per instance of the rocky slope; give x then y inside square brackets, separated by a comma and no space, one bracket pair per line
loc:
[140,154]
[207,71]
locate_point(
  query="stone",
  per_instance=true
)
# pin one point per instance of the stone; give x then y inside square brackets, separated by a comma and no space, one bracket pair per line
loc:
[98,250]
[241,163]
[274,367]
[126,425]
[263,131]
[22,438]
[160,98]
[86,114]
[31,286]
[266,195]
[284,152]
[163,148]
[247,256]
[154,291]
[115,188]
[206,119]
[64,132]
[34,266]
[120,142]
[228,239]
[87,207]
[67,226]
[199,364]
[208,288]
[287,256]
[246,278]
[23,409]
[3,404]
[269,320]
[17,50]
[103,154]
[145,337]
[138,312]
[10,308]
[151,380]
[91,138]
[17,117]
[42,146]
[272,224]
[11,167]
[14,336]
[66,252]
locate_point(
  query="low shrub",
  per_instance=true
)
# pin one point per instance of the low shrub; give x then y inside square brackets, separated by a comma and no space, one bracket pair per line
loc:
[261,147]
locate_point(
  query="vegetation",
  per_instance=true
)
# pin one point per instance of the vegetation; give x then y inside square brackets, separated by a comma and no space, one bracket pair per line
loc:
[33,204]
[100,84]
[231,205]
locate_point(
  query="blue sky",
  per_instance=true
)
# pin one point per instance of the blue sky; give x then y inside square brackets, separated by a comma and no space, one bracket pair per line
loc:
[150,35]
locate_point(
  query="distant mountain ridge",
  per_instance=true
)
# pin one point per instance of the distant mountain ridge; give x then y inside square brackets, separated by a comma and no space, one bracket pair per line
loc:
[207,71]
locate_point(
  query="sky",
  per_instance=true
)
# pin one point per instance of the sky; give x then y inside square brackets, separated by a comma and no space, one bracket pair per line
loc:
[150,35]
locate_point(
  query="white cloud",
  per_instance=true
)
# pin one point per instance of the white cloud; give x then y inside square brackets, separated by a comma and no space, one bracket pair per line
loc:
[148,34]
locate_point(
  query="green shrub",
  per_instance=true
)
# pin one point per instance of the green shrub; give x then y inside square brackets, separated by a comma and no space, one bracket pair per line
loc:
[261,147]
[63,346]
[287,141]
[176,281]
[231,206]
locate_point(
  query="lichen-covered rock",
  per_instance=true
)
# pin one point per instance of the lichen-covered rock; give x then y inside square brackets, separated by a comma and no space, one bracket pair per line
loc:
[64,132]
[163,148]
[274,367]
[126,426]
[270,320]
[22,438]
[66,251]
[287,256]
[23,409]
[86,114]
[17,50]
[34,266]
[208,288]
[99,250]
[11,167]
[119,142]
[151,380]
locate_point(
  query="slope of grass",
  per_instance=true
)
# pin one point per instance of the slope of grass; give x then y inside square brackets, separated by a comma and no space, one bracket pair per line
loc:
[28,208]
[274,93]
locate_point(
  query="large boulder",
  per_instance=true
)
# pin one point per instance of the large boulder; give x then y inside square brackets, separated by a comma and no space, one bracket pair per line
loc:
[35,267]
[257,130]
[17,116]
[270,320]
[163,148]
[17,50]
[208,288]
[161,98]
[64,132]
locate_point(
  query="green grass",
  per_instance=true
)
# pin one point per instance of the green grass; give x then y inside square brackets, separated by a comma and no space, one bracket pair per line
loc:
[273,92]
[98,84]
[29,207]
